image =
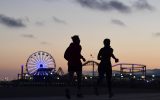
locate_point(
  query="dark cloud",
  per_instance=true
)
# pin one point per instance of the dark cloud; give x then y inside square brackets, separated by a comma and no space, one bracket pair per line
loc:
[156,34]
[28,36]
[118,22]
[11,22]
[143,5]
[110,5]
[105,5]
[57,20]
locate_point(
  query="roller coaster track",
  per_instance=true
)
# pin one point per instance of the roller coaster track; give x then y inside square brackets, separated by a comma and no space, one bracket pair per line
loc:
[123,66]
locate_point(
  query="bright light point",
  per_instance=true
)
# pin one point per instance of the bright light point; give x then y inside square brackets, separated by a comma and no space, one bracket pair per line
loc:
[134,76]
[142,77]
[153,76]
[85,78]
[57,78]
[6,79]
[26,75]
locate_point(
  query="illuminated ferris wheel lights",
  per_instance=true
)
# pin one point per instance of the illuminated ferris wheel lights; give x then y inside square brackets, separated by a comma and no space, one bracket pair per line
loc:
[40,63]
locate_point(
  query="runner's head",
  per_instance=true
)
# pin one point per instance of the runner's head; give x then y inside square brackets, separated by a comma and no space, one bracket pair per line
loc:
[106,42]
[75,39]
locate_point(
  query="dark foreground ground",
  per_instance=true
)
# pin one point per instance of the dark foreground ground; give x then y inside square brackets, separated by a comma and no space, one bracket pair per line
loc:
[57,93]
[123,90]
[131,96]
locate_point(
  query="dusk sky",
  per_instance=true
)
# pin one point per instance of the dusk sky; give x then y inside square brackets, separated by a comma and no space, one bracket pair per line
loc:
[28,26]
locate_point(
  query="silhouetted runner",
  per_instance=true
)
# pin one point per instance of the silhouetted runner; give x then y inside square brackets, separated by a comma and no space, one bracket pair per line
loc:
[73,56]
[105,67]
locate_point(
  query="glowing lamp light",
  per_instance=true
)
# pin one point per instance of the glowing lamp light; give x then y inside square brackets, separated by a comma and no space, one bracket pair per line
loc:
[142,77]
[26,75]
[134,77]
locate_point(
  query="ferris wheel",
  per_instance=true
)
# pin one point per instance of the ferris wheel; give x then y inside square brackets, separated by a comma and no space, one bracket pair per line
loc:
[40,63]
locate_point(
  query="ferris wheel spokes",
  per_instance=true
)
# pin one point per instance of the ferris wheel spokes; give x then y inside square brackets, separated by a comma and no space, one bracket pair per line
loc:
[40,63]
